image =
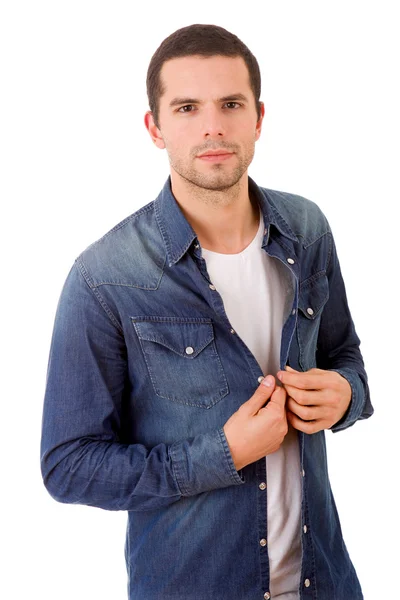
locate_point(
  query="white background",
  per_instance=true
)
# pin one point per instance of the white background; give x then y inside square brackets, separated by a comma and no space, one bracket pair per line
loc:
[76,159]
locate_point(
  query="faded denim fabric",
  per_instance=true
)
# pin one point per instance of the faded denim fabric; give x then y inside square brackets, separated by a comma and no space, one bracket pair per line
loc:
[144,371]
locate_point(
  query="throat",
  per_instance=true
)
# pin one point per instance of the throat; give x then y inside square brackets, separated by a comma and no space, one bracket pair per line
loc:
[230,242]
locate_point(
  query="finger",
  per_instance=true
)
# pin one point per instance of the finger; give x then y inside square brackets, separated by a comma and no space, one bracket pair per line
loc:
[314,379]
[313,370]
[307,413]
[305,397]
[261,395]
[304,426]
[279,397]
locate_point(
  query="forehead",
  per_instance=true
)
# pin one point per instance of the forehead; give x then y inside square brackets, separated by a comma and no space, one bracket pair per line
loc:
[192,75]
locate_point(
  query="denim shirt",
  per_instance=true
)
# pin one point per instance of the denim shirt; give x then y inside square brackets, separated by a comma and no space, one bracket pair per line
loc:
[144,371]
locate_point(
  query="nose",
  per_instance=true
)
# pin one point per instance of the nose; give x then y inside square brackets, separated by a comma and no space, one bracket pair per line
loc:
[213,122]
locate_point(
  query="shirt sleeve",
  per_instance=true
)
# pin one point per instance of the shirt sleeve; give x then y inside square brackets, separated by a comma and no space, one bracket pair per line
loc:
[339,346]
[83,459]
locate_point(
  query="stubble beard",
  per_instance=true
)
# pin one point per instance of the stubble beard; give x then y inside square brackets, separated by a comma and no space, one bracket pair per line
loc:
[219,178]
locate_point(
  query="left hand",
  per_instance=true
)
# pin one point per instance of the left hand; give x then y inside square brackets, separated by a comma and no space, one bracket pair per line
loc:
[317,399]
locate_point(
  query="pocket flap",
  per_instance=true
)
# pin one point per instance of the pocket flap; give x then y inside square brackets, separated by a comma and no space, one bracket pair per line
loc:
[314,292]
[184,337]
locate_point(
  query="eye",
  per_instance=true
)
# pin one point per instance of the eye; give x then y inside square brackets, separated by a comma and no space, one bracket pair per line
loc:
[186,108]
[233,105]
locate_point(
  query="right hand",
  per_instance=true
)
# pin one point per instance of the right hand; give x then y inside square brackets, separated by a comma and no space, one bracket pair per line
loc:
[254,431]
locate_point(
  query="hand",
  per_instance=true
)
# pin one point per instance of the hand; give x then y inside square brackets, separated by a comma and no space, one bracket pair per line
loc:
[317,399]
[256,430]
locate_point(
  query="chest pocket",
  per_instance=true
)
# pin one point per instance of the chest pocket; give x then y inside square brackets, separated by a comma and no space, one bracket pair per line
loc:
[313,295]
[182,359]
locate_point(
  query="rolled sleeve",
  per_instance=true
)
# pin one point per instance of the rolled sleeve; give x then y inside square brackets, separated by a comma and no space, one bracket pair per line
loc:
[204,463]
[358,402]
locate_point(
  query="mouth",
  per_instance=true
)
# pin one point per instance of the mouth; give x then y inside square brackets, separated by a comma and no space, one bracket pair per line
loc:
[216,156]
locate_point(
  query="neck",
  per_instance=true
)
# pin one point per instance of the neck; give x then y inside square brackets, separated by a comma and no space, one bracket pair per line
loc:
[225,221]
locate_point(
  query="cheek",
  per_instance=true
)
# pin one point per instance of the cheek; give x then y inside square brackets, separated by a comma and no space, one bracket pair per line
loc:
[178,140]
[175,149]
[244,137]
[181,129]
[178,153]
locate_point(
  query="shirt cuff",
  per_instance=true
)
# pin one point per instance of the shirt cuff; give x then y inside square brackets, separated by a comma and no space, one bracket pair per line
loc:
[204,463]
[357,401]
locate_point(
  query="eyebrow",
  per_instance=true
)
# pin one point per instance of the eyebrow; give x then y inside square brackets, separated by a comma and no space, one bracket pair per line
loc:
[230,98]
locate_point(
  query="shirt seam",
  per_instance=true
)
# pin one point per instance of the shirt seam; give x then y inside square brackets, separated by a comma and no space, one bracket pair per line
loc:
[85,275]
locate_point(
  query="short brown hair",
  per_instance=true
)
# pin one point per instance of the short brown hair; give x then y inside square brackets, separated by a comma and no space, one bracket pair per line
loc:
[200,40]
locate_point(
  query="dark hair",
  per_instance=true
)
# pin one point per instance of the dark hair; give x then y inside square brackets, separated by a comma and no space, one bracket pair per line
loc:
[200,40]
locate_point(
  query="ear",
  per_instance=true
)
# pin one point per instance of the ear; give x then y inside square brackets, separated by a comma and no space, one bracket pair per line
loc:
[259,122]
[153,130]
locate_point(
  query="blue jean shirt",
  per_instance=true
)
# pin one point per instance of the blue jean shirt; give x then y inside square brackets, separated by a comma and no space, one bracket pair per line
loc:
[133,421]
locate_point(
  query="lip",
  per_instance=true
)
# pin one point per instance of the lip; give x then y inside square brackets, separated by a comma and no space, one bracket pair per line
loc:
[215,155]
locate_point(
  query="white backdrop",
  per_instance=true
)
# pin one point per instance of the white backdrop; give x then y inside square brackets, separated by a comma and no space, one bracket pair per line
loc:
[76,159]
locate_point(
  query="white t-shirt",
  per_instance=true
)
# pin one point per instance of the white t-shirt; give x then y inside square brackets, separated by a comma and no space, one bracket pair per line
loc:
[257,293]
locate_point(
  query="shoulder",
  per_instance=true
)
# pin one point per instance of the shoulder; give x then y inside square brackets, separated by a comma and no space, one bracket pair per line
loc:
[303,216]
[129,254]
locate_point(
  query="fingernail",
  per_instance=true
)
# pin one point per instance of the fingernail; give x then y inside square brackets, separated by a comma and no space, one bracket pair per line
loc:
[279,375]
[268,381]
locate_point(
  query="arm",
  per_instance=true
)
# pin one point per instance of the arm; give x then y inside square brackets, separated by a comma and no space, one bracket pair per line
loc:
[336,394]
[82,458]
[339,347]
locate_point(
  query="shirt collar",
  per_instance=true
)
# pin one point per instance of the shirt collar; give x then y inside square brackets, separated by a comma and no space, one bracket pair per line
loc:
[178,235]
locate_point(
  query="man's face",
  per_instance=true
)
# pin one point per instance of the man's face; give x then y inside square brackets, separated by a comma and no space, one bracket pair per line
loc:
[208,105]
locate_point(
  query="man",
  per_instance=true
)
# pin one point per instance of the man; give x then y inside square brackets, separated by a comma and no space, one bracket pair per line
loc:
[200,350]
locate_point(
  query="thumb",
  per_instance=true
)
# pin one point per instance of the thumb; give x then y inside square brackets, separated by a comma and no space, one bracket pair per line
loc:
[261,395]
[279,397]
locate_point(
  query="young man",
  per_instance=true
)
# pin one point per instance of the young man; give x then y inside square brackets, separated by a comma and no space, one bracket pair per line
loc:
[169,389]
